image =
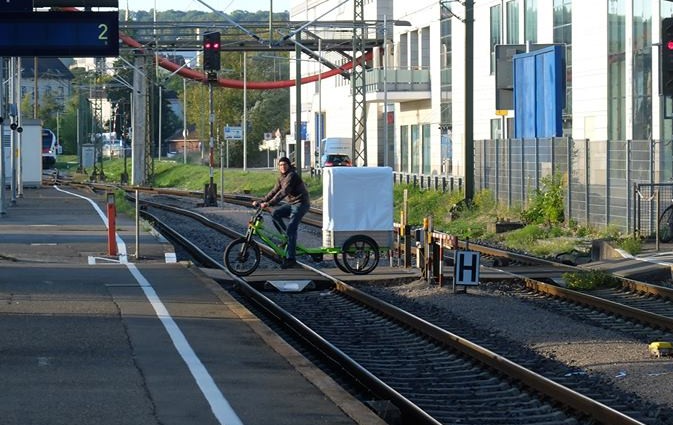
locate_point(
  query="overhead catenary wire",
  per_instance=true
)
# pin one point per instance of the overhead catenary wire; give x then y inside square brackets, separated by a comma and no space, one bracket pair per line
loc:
[195,75]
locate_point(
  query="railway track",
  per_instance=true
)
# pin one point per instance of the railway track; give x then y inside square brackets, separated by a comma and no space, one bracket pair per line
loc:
[412,367]
[639,302]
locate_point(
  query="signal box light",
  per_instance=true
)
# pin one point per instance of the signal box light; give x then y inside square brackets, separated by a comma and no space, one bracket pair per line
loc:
[211,51]
[666,57]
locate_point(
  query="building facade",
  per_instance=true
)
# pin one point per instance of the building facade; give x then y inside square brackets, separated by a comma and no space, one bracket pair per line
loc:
[415,98]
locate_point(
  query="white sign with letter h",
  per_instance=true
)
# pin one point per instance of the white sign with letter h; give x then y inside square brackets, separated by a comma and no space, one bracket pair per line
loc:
[466,268]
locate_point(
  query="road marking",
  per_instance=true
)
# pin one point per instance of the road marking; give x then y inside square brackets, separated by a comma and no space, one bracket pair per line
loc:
[221,408]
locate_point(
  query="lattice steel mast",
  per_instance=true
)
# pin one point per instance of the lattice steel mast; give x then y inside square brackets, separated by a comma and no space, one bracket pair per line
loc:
[358,86]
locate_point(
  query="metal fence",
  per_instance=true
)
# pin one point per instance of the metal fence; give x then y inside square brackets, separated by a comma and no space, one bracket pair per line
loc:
[608,183]
[622,184]
[434,182]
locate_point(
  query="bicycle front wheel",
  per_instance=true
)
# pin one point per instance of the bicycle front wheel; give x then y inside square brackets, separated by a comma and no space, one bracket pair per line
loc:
[360,254]
[666,225]
[242,257]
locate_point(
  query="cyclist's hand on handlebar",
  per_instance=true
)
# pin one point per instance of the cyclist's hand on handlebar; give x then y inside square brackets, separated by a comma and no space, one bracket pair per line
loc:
[261,205]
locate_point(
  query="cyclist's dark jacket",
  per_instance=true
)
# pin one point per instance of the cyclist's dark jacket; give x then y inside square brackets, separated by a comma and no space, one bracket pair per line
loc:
[291,185]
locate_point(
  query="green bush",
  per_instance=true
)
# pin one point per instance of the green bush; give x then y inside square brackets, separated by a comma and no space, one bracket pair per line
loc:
[484,201]
[631,244]
[525,237]
[590,279]
[425,203]
[466,229]
[546,205]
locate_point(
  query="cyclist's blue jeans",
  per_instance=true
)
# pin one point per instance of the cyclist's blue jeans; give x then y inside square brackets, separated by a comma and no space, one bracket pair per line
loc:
[295,212]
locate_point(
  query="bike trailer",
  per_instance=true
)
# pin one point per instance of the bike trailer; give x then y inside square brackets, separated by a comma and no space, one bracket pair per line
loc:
[357,201]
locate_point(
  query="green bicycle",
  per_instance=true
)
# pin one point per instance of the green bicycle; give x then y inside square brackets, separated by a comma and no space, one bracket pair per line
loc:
[358,255]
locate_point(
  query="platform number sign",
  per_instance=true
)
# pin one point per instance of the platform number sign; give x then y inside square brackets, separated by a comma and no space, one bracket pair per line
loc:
[466,268]
[58,34]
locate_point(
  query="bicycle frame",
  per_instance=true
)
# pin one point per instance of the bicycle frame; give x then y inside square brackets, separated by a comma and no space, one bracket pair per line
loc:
[256,227]
[359,253]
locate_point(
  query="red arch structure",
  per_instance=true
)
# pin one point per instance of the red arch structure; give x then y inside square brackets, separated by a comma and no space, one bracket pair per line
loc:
[238,84]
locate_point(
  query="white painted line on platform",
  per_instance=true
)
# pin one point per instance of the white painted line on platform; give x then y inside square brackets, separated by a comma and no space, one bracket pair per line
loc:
[91,260]
[221,408]
[219,405]
[121,246]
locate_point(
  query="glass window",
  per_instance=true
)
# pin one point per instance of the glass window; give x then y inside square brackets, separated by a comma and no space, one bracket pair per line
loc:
[642,70]
[404,149]
[445,40]
[512,8]
[404,51]
[319,130]
[426,149]
[495,33]
[530,21]
[563,34]
[415,149]
[616,69]
[496,128]
[413,49]
[425,48]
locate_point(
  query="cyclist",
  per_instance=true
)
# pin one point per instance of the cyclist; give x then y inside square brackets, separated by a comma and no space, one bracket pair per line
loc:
[290,185]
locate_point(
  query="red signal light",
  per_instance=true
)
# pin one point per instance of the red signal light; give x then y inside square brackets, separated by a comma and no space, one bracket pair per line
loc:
[669,45]
[211,51]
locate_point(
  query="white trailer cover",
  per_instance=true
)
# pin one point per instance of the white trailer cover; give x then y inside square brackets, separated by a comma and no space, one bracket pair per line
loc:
[357,200]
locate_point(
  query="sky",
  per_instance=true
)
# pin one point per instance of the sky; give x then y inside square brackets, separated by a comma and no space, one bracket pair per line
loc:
[225,6]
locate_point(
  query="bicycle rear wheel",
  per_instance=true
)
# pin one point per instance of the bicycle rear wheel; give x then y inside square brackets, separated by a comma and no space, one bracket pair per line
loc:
[360,254]
[242,257]
[666,225]
[339,264]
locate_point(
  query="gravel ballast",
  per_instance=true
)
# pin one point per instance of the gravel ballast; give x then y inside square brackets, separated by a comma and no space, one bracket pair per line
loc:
[623,361]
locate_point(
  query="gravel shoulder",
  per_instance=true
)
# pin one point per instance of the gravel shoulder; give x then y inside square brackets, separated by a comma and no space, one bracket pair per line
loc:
[616,358]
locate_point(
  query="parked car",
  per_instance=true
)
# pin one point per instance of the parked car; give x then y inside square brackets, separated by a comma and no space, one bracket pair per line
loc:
[336,161]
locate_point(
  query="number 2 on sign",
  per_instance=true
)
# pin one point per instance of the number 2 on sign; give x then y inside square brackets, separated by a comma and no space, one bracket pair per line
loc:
[103,31]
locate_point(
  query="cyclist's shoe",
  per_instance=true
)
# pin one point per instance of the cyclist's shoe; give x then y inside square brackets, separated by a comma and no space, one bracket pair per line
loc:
[288,263]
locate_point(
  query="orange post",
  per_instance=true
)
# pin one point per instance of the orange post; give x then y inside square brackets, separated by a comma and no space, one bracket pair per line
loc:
[112,224]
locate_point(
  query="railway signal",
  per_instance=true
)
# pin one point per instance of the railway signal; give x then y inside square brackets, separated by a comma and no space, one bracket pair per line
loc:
[211,51]
[666,59]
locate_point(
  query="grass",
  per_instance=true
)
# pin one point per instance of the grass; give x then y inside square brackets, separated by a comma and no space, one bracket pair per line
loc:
[587,280]
[449,214]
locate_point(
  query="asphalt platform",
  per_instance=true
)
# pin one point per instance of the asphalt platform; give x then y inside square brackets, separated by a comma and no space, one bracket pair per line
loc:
[89,337]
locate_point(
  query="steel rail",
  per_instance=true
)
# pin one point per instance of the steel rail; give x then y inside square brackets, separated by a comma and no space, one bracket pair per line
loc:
[636,314]
[577,401]
[632,313]
[337,356]
[539,383]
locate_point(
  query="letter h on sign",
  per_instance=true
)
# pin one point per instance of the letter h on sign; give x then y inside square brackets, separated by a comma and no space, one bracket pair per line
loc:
[466,268]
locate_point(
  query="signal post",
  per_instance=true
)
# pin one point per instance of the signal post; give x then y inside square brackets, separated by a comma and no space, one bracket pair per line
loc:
[211,64]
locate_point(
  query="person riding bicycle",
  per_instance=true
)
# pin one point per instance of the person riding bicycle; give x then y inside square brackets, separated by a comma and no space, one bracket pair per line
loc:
[290,185]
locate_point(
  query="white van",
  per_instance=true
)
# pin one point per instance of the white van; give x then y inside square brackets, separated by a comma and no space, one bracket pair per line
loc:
[336,151]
